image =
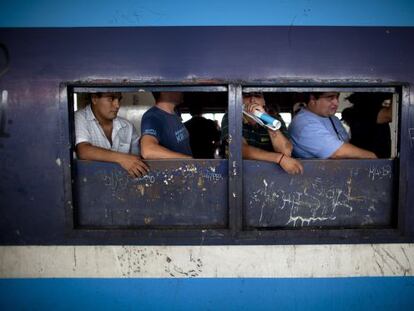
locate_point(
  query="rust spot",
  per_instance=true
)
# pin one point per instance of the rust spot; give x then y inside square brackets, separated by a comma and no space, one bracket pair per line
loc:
[141,189]
[200,182]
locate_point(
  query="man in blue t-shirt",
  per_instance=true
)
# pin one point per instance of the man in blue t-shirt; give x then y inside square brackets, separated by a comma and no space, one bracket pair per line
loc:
[317,133]
[163,135]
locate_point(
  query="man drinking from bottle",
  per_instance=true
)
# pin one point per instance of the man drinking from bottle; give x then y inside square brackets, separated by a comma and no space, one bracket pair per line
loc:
[262,143]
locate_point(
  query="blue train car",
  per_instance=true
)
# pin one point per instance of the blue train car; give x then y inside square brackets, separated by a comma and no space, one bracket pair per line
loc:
[202,234]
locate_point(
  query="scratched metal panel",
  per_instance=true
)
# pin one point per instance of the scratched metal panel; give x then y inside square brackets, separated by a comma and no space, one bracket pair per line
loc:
[174,193]
[330,193]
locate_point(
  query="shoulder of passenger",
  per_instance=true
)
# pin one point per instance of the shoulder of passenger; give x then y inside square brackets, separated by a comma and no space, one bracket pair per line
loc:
[124,122]
[149,112]
[80,114]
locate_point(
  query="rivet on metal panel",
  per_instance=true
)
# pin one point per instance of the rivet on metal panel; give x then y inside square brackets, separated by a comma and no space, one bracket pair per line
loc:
[411,135]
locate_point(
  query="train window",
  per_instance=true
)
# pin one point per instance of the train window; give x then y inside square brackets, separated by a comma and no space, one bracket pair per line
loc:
[227,198]
[347,193]
[175,193]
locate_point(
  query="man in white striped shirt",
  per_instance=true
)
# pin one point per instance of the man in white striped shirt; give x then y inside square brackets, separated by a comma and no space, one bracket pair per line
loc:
[103,136]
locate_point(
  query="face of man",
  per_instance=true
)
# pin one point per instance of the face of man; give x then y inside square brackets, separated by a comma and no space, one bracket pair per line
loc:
[106,106]
[253,99]
[251,102]
[325,105]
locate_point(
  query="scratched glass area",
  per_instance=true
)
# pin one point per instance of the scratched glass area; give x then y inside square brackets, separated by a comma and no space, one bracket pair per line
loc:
[174,193]
[342,194]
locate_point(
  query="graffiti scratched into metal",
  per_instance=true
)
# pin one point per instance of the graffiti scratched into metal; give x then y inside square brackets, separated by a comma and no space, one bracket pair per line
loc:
[117,180]
[380,172]
[308,201]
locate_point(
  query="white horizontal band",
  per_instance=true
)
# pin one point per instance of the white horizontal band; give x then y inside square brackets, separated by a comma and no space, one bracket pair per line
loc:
[281,261]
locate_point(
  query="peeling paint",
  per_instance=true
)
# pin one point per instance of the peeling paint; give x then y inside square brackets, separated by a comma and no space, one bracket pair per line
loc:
[141,189]
[200,182]
[208,261]
[234,168]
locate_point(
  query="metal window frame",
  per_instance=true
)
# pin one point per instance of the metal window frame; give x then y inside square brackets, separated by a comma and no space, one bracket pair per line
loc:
[235,234]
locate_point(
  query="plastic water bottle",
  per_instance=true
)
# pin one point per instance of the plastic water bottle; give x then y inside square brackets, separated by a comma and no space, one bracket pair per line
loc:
[267,119]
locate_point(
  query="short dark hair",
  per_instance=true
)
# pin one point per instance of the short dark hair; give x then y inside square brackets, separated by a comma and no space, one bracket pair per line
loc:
[365,101]
[156,95]
[364,97]
[250,94]
[195,109]
[112,94]
[313,94]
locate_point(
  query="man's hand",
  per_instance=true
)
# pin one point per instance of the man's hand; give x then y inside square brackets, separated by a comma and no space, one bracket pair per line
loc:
[290,165]
[251,107]
[133,165]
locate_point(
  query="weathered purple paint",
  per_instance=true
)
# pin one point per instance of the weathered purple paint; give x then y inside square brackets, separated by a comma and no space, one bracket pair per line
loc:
[35,155]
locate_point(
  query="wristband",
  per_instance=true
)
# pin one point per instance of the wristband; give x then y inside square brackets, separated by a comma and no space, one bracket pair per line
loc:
[280,160]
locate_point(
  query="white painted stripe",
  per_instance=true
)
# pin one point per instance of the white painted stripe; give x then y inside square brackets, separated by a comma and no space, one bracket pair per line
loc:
[281,261]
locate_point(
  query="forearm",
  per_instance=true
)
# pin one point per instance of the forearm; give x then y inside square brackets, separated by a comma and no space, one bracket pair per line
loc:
[93,153]
[155,151]
[349,151]
[288,164]
[280,143]
[253,153]
[131,163]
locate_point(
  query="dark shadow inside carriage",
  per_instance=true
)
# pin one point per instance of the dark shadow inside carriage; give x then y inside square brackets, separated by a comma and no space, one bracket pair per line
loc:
[193,194]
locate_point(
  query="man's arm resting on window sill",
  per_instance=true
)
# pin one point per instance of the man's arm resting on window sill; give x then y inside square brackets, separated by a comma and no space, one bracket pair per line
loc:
[131,163]
[349,151]
[151,150]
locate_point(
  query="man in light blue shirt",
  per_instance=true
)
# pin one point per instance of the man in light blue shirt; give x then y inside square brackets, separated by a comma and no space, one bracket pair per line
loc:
[316,132]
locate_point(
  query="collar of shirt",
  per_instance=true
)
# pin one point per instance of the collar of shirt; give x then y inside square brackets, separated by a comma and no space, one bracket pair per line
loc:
[116,123]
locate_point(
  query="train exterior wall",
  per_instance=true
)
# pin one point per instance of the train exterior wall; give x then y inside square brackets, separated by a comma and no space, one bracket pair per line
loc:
[43,265]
